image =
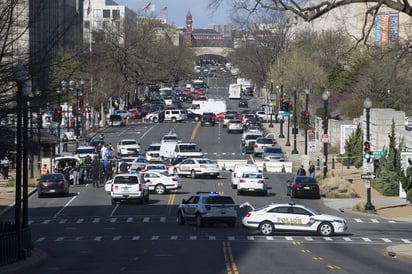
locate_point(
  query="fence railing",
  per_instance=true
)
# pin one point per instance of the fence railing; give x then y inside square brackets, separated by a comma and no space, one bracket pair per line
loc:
[10,250]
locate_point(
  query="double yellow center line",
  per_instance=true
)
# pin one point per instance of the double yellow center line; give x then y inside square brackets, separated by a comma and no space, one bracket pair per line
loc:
[231,267]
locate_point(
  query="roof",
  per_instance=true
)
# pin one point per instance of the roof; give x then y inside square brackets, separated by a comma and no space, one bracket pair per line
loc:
[205,31]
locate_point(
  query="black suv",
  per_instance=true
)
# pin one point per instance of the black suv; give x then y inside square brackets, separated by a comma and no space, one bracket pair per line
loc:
[208,118]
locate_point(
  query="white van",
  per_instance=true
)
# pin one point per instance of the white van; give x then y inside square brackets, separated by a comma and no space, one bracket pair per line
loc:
[170,150]
[238,171]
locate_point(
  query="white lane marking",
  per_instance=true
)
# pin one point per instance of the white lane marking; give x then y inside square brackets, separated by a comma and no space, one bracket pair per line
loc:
[358,220]
[96,220]
[129,220]
[98,238]
[66,205]
[231,238]
[146,219]
[174,237]
[288,238]
[135,238]
[374,221]
[79,221]
[114,210]
[212,237]
[386,240]
[250,238]
[347,239]
[366,239]
[406,241]
[146,132]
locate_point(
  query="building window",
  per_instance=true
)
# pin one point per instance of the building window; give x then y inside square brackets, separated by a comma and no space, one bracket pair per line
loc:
[116,14]
[106,13]
[97,13]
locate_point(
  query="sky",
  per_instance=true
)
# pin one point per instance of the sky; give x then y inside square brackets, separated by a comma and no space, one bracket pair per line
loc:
[177,10]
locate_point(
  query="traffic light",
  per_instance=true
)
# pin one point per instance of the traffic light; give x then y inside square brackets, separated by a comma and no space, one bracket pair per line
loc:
[367,151]
[305,117]
[284,106]
[59,112]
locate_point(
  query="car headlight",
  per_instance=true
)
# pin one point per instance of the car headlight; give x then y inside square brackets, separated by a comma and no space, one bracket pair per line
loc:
[339,221]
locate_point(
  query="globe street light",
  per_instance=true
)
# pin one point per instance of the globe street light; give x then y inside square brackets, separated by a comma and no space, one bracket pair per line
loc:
[367,104]
[280,108]
[295,129]
[270,107]
[325,97]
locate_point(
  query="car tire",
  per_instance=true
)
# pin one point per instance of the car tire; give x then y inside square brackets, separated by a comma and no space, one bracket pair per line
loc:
[325,229]
[199,220]
[160,189]
[239,193]
[233,186]
[173,119]
[114,201]
[193,174]
[266,228]
[180,219]
[155,119]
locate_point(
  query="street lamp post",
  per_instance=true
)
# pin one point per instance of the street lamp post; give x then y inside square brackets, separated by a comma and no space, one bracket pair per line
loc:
[367,104]
[281,118]
[295,150]
[325,97]
[306,125]
[270,107]
[59,119]
[67,115]
[288,133]
[82,121]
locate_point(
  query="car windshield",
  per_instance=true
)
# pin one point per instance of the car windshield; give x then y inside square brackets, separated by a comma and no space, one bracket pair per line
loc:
[305,180]
[219,200]
[52,177]
[131,142]
[169,138]
[130,180]
[153,148]
[273,150]
[253,175]
[85,150]
[151,167]
[189,148]
[264,141]
[205,161]
[115,118]
[252,137]
[235,122]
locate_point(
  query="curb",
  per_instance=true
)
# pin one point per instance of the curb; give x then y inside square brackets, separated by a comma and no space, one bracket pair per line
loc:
[13,204]
[37,258]
[402,252]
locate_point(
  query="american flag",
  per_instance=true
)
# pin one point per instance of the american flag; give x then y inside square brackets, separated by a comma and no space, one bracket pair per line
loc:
[89,8]
[163,11]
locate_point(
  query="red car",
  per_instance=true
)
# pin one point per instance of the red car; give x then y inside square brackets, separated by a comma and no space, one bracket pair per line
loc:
[220,116]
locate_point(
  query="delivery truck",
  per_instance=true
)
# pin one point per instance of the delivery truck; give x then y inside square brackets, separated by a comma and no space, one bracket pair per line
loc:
[235,91]
[210,105]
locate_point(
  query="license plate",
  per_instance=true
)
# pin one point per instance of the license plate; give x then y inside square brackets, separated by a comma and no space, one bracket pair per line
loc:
[52,190]
[306,187]
[251,189]
[223,212]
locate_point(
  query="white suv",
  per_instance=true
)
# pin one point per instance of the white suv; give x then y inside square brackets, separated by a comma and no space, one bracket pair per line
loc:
[128,147]
[238,171]
[252,182]
[207,207]
[153,152]
[128,187]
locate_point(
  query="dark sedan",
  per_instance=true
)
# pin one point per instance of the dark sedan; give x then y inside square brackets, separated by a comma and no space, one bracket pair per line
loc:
[243,103]
[53,183]
[303,186]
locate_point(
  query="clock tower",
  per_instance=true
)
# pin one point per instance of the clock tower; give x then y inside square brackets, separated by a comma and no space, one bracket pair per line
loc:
[189,21]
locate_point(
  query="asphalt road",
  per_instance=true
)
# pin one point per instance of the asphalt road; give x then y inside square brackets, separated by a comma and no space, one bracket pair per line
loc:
[84,233]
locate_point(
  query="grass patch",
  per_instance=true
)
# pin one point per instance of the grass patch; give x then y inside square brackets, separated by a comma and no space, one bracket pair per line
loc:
[360,207]
[334,187]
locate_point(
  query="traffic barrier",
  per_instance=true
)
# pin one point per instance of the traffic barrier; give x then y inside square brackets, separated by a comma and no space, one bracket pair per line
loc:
[279,167]
[229,164]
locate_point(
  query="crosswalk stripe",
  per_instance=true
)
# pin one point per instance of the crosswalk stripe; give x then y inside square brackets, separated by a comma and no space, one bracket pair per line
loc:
[155,238]
[212,238]
[374,221]
[230,238]
[288,238]
[162,219]
[79,221]
[96,220]
[269,238]
[366,239]
[45,222]
[135,238]
[406,241]
[146,219]
[129,220]
[113,220]
[116,238]
[174,237]
[59,239]
[386,240]
[63,221]
[98,238]
[308,238]
[358,220]
[250,238]
[347,239]
[192,238]
[41,239]
[327,238]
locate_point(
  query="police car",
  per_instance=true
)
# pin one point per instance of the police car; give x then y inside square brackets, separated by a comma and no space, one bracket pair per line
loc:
[207,207]
[292,217]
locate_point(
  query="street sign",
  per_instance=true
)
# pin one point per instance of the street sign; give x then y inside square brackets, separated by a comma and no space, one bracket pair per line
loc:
[367,167]
[325,138]
[368,176]
[378,154]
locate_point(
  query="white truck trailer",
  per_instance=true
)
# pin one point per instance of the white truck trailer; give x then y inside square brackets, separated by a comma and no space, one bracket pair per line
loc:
[210,105]
[235,91]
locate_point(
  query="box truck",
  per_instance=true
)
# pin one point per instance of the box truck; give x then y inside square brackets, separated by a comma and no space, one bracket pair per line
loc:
[235,91]
[210,105]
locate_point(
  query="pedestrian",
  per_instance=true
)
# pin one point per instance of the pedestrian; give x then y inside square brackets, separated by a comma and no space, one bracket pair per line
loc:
[6,165]
[109,170]
[88,163]
[44,170]
[65,141]
[94,170]
[311,169]
[67,170]
[76,174]
[243,146]
[301,171]
[102,175]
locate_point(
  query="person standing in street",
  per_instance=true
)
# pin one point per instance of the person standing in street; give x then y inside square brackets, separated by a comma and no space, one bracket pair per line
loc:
[243,146]
[76,174]
[301,171]
[95,171]
[44,170]
[5,165]
[311,169]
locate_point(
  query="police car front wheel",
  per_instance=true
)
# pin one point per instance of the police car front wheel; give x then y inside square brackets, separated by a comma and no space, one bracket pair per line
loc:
[180,219]
[266,228]
[325,229]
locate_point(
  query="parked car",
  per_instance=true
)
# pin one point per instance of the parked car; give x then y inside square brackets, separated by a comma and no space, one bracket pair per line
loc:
[207,207]
[274,153]
[127,187]
[303,186]
[252,182]
[292,217]
[195,167]
[160,182]
[123,113]
[208,118]
[52,183]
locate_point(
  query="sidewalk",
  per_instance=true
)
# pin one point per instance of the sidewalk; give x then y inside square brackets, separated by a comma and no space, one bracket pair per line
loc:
[387,207]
